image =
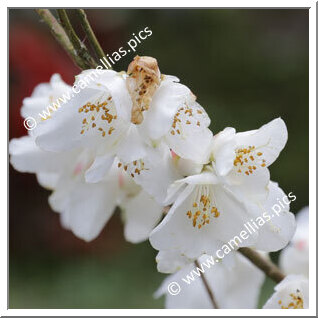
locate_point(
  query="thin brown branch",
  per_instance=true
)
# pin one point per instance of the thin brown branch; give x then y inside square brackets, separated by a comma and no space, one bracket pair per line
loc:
[90,33]
[78,45]
[207,287]
[61,36]
[268,267]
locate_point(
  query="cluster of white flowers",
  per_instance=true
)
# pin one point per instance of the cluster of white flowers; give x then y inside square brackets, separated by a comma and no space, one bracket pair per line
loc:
[139,140]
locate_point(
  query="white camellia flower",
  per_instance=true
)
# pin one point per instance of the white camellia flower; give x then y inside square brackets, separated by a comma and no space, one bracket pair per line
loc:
[291,293]
[294,259]
[128,115]
[237,286]
[242,159]
[44,95]
[212,207]
[85,207]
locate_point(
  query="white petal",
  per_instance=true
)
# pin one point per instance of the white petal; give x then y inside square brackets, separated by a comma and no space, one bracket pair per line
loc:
[286,293]
[168,98]
[141,215]
[171,261]
[192,296]
[59,199]
[174,192]
[99,168]
[158,166]
[177,232]
[189,136]
[227,284]
[113,83]
[73,126]
[279,229]
[26,156]
[234,215]
[48,180]
[253,186]
[223,151]
[186,167]
[132,146]
[294,259]
[86,209]
[302,219]
[270,139]
[169,78]
[202,178]
[43,95]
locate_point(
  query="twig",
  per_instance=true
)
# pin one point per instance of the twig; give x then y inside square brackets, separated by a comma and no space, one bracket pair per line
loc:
[269,268]
[207,287]
[78,45]
[61,36]
[90,33]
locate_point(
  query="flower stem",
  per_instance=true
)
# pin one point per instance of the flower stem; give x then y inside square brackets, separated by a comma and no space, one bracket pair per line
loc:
[61,36]
[268,267]
[90,33]
[207,287]
[78,45]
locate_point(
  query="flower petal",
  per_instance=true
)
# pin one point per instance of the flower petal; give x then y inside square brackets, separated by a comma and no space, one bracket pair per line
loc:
[252,186]
[227,285]
[223,151]
[269,140]
[43,95]
[189,136]
[99,168]
[177,232]
[48,180]
[141,215]
[87,120]
[85,208]
[112,82]
[278,231]
[26,156]
[132,146]
[158,166]
[169,97]
[171,261]
[291,293]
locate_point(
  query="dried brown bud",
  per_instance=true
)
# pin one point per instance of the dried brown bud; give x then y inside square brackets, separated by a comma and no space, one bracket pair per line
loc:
[143,80]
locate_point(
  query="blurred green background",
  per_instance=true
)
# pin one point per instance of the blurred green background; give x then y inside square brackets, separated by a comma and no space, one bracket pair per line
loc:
[245,66]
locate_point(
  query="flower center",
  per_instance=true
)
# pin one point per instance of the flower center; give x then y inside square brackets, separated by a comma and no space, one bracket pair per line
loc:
[248,159]
[142,83]
[100,112]
[185,116]
[296,302]
[203,208]
[134,168]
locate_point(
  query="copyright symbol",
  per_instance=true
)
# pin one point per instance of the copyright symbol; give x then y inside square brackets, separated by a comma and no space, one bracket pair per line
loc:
[29,123]
[174,288]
